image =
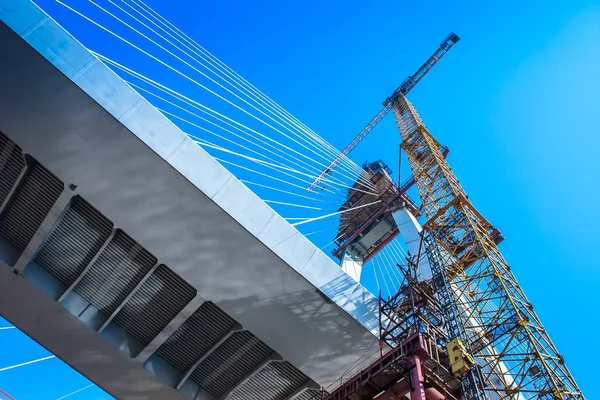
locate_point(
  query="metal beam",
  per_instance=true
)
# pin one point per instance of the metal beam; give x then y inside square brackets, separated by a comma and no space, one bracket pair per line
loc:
[88,266]
[17,183]
[45,228]
[170,328]
[237,328]
[266,362]
[303,388]
[129,296]
[45,321]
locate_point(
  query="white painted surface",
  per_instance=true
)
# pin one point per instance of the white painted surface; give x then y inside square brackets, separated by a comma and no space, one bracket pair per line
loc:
[352,265]
[410,231]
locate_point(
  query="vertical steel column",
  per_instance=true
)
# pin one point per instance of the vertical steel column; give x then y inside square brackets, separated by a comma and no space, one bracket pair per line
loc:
[417,390]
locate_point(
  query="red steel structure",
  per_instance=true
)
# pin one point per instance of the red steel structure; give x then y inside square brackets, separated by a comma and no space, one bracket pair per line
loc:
[368,229]
[356,224]
[418,364]
[5,396]
[365,231]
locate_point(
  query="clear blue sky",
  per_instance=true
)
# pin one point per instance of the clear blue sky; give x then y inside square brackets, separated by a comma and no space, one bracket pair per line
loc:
[48,379]
[517,101]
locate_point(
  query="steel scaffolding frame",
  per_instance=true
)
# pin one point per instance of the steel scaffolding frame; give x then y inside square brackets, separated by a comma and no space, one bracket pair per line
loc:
[416,362]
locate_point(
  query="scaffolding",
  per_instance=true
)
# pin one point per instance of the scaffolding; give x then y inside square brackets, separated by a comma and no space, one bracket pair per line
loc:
[365,230]
[414,359]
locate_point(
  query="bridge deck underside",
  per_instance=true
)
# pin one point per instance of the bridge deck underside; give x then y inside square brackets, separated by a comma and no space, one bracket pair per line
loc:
[110,213]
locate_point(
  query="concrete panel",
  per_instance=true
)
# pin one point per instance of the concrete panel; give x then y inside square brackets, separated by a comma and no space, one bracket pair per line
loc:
[58,47]
[293,247]
[343,291]
[20,15]
[151,126]
[104,86]
[209,179]
[246,208]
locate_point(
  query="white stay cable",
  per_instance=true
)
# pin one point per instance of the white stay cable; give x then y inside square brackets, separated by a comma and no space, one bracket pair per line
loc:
[307,220]
[386,265]
[75,392]
[394,258]
[263,163]
[376,279]
[391,265]
[319,231]
[167,89]
[310,175]
[337,237]
[157,16]
[26,363]
[195,138]
[167,65]
[272,166]
[278,152]
[399,248]
[329,149]
[287,192]
[211,145]
[376,262]
[260,173]
[291,204]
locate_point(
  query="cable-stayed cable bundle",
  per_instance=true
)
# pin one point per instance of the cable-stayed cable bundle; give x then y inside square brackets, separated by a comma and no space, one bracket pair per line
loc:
[270,150]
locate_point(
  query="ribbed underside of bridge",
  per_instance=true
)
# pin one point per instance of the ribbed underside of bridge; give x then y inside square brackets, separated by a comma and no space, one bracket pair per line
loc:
[139,260]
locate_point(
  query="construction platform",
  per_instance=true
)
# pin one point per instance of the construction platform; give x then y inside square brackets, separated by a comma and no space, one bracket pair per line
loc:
[366,230]
[418,364]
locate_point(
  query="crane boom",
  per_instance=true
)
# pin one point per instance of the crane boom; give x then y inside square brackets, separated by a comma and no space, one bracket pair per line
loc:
[403,89]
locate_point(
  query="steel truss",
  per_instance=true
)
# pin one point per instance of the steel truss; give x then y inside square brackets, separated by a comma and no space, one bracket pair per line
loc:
[481,299]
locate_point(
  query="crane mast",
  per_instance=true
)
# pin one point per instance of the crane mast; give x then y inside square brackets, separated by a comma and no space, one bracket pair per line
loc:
[483,302]
[496,345]
[402,90]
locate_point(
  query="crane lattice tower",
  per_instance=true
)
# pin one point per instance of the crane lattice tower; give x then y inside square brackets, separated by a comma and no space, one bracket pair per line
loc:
[484,305]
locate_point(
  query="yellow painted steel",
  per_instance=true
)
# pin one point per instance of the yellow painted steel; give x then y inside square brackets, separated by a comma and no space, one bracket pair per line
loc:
[460,361]
[500,328]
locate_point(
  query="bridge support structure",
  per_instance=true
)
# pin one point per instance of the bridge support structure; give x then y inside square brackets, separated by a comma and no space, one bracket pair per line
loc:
[352,264]
[416,362]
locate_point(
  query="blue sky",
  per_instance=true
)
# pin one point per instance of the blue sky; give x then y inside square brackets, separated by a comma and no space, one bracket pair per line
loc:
[516,101]
[47,379]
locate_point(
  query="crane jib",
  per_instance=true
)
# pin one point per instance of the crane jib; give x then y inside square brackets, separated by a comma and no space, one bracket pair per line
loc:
[411,81]
[403,89]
